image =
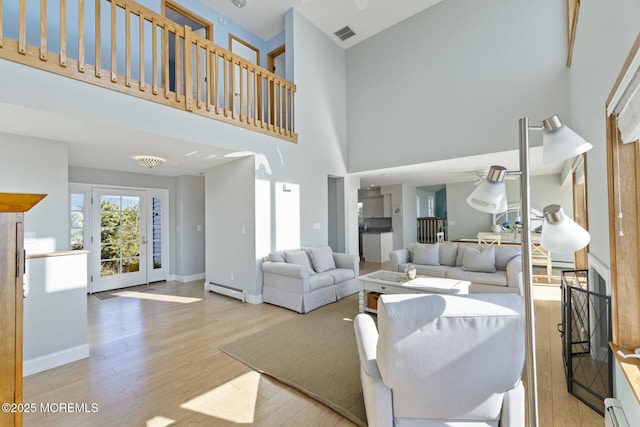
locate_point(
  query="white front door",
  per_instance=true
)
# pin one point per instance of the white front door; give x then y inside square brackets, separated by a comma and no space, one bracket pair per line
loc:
[119,238]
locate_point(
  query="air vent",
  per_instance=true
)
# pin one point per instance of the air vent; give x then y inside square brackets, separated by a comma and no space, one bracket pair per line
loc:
[345,33]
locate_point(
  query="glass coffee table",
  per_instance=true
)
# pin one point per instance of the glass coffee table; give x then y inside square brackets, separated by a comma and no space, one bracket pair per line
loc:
[391,282]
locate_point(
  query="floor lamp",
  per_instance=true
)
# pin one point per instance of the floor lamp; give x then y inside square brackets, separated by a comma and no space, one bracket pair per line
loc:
[559,233]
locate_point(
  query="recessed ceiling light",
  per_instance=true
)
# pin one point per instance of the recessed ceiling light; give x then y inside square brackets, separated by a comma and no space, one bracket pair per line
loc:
[239,3]
[213,156]
[240,154]
[191,153]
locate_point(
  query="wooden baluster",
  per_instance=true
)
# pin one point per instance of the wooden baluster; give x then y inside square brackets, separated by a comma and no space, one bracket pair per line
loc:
[241,87]
[208,82]
[127,45]
[154,56]
[114,69]
[178,69]
[63,33]
[216,82]
[22,27]
[286,110]
[255,97]
[270,95]
[165,59]
[98,40]
[225,100]
[280,107]
[81,52]
[141,21]
[198,75]
[188,68]
[292,112]
[43,28]
[232,87]
[1,32]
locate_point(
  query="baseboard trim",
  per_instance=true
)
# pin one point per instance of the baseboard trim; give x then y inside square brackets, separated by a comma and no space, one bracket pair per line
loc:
[236,293]
[189,278]
[53,360]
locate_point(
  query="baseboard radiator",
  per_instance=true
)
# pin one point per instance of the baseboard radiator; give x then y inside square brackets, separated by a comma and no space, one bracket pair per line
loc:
[614,414]
[228,291]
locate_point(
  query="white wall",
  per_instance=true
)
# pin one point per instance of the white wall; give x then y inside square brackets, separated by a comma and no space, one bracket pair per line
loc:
[190,217]
[230,225]
[453,80]
[605,34]
[33,165]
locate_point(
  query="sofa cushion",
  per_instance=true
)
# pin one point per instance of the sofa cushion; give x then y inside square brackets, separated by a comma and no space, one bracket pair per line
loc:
[340,274]
[426,254]
[499,278]
[504,254]
[448,253]
[479,259]
[432,270]
[320,280]
[322,259]
[297,257]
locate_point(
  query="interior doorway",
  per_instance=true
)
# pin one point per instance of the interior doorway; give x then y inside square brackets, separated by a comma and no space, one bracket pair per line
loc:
[276,63]
[244,90]
[336,238]
[200,26]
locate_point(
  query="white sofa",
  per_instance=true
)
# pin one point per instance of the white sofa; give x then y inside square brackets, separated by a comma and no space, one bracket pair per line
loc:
[443,360]
[490,269]
[305,279]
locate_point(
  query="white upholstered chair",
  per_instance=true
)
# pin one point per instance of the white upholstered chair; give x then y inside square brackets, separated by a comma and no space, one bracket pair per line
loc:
[443,360]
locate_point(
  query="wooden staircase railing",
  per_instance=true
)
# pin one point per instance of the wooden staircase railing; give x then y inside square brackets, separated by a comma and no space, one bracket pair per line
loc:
[148,56]
[429,227]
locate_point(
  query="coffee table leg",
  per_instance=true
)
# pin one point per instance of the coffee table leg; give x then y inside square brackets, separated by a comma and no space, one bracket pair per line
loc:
[361,300]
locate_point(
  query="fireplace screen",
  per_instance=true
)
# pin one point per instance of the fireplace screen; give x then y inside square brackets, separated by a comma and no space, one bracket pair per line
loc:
[586,332]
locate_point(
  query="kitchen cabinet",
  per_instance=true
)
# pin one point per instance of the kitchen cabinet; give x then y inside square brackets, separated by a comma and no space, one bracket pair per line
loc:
[12,208]
[373,207]
[376,246]
[386,206]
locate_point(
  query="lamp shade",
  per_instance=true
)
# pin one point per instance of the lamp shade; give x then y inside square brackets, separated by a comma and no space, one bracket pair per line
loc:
[490,195]
[560,233]
[560,142]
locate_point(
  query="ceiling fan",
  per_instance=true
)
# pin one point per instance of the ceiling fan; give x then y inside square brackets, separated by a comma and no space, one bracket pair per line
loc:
[360,4]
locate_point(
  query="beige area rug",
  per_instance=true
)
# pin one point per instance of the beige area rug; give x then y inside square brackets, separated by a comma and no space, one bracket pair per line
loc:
[315,353]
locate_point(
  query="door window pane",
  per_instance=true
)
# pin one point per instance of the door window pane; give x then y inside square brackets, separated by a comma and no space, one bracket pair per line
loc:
[119,234]
[76,225]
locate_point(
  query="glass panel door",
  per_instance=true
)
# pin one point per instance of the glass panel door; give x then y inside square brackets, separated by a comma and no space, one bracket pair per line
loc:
[119,239]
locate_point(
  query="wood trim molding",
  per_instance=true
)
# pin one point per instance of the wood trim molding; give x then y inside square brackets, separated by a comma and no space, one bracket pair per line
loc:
[208,25]
[250,46]
[573,8]
[271,56]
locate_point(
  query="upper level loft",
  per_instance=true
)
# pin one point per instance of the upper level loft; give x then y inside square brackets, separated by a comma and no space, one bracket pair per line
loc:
[124,46]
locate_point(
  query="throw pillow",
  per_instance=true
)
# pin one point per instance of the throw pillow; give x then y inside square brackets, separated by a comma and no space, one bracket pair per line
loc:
[298,258]
[448,253]
[276,257]
[428,254]
[482,260]
[322,259]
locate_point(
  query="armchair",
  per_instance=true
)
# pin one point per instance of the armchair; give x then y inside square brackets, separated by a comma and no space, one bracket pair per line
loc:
[443,360]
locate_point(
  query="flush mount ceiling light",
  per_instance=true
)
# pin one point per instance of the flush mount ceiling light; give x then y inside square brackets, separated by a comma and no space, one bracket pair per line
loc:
[239,3]
[149,161]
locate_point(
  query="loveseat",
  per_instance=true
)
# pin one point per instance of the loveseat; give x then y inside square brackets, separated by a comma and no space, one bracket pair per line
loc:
[490,269]
[305,279]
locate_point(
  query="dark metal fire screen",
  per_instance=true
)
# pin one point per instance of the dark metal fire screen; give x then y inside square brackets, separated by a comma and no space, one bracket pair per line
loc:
[586,332]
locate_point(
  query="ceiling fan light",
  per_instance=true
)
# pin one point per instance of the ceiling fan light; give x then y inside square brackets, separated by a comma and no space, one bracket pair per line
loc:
[239,3]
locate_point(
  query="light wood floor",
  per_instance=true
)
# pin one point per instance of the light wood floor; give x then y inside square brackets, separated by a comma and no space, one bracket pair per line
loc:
[155,362]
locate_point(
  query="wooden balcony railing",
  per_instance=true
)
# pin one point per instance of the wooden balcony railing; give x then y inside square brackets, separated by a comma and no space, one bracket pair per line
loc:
[429,227]
[148,56]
